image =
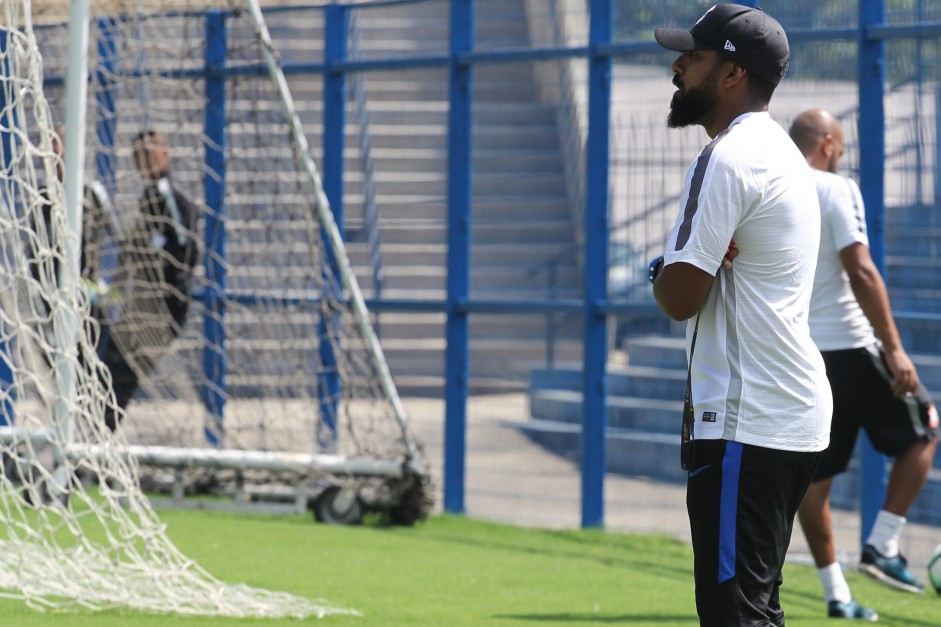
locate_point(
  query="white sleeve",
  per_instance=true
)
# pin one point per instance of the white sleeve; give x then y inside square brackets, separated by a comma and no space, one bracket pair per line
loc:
[847,215]
[710,211]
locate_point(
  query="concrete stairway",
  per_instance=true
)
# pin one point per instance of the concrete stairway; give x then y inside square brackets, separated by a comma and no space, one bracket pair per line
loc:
[521,230]
[645,408]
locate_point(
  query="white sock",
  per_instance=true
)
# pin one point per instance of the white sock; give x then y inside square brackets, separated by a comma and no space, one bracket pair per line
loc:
[834,583]
[885,533]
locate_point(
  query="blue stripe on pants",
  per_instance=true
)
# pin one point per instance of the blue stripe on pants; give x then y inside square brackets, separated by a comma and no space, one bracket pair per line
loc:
[728,509]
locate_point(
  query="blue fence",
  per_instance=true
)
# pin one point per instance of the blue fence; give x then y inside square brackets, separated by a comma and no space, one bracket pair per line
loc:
[594,69]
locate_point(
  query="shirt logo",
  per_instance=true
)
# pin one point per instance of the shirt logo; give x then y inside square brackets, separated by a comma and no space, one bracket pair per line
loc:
[709,416]
[932,417]
[729,46]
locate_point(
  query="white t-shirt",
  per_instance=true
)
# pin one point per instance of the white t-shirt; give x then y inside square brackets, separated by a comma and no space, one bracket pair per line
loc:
[757,377]
[837,322]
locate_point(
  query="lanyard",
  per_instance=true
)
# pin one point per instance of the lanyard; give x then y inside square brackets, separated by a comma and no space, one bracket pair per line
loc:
[687,458]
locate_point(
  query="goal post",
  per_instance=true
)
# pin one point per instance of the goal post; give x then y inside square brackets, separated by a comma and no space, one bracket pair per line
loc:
[334,240]
[220,287]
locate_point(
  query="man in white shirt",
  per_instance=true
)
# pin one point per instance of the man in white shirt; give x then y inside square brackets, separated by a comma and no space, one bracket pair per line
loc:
[760,404]
[875,385]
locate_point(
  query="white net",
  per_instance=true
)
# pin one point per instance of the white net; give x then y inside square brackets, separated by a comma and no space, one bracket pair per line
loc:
[209,316]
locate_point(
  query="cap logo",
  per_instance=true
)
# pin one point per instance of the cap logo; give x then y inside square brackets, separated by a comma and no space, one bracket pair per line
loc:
[729,46]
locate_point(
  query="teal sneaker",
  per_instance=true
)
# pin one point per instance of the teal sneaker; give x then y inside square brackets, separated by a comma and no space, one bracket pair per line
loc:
[892,571]
[852,611]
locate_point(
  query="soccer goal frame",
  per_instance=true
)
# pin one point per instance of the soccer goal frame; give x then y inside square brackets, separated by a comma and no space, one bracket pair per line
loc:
[407,493]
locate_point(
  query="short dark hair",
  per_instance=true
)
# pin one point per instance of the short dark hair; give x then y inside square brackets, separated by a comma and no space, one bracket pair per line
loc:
[145,134]
[760,89]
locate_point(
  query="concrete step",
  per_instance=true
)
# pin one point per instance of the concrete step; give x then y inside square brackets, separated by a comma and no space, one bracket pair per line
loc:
[522,255]
[528,138]
[435,160]
[432,386]
[524,186]
[623,381]
[632,453]
[657,351]
[394,325]
[929,372]
[916,215]
[488,356]
[647,414]
[405,231]
[527,113]
[656,456]
[488,211]
[919,241]
[912,271]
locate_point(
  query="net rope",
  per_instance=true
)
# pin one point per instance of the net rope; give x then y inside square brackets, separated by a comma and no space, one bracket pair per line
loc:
[76,529]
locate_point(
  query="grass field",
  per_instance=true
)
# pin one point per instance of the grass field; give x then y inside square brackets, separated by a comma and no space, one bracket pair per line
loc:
[453,571]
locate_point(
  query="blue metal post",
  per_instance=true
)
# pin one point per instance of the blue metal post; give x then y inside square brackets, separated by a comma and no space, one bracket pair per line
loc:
[334,122]
[872,72]
[937,146]
[459,247]
[215,361]
[7,124]
[594,382]
[106,118]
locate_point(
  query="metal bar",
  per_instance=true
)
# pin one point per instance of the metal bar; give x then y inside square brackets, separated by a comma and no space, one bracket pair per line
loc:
[173,457]
[105,96]
[922,30]
[66,318]
[594,382]
[215,362]
[329,386]
[872,76]
[460,166]
[7,139]
[925,30]
[329,227]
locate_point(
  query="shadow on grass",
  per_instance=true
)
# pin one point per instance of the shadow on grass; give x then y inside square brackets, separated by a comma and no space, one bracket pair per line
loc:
[803,606]
[893,619]
[609,549]
[624,619]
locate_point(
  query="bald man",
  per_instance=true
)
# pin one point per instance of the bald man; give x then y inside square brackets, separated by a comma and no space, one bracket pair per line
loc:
[875,385]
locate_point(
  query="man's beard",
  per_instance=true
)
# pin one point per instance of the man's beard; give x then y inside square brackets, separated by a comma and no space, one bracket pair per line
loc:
[690,107]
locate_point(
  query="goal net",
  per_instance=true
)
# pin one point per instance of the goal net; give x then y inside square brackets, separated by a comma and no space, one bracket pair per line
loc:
[204,317]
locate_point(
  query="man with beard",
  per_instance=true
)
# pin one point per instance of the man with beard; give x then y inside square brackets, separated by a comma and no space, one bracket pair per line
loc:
[875,385]
[758,403]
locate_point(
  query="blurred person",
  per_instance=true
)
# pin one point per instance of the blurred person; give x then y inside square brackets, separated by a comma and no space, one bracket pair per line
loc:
[875,385]
[98,217]
[155,274]
[758,405]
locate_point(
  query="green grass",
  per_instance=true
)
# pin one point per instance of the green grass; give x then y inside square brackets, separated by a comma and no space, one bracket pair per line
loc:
[453,571]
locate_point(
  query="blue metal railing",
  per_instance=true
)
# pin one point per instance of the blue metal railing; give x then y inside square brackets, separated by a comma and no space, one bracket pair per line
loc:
[555,321]
[573,145]
[589,201]
[370,210]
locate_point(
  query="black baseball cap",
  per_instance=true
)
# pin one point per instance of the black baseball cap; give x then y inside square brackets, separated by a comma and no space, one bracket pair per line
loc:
[748,36]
